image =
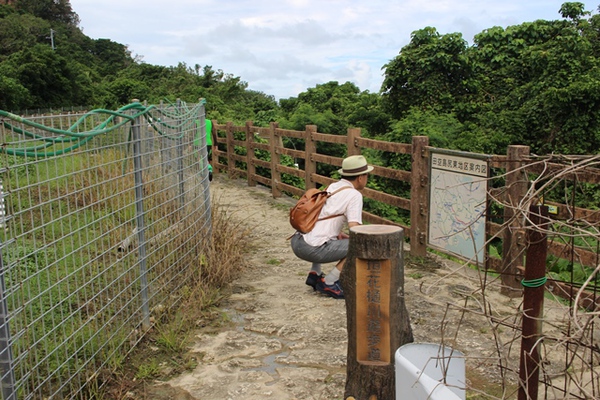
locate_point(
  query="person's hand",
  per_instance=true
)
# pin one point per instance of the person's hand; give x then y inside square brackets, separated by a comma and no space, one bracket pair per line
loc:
[342,235]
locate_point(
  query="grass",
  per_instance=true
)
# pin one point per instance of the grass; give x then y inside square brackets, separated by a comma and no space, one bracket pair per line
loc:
[148,370]
[173,336]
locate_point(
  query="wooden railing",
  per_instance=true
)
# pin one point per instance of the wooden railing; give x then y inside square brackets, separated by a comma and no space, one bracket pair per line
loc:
[517,167]
[224,134]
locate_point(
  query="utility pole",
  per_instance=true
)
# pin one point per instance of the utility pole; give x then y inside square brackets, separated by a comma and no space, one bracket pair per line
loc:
[52,38]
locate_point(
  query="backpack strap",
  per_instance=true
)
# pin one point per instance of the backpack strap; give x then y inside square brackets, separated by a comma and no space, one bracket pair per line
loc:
[339,190]
[328,196]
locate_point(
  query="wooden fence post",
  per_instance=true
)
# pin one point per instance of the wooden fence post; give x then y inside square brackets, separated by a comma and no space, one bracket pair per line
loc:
[419,185]
[377,320]
[353,148]
[513,241]
[310,148]
[230,149]
[275,143]
[250,156]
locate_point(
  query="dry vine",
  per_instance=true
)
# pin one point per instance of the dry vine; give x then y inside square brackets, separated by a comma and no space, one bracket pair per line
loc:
[568,347]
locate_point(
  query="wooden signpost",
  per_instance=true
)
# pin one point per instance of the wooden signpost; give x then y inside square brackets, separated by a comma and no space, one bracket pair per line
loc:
[377,319]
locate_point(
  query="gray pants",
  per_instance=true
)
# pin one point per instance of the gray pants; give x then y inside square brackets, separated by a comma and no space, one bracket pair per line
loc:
[333,250]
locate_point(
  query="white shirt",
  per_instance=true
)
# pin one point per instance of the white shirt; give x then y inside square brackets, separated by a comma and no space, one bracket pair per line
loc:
[348,202]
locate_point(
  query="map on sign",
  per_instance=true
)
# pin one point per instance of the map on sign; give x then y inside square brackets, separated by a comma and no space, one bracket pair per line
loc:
[457,205]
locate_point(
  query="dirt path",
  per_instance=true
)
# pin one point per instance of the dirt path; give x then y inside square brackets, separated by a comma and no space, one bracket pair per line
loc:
[288,342]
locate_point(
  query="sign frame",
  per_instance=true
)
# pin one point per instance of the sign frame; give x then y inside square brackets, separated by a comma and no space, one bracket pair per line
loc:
[473,168]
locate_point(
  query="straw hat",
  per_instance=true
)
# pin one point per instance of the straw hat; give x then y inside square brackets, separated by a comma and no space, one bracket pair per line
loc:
[354,166]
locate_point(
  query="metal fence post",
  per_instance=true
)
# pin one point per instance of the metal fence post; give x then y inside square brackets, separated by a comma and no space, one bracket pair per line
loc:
[147,143]
[165,148]
[533,303]
[200,142]
[139,218]
[6,359]
[180,176]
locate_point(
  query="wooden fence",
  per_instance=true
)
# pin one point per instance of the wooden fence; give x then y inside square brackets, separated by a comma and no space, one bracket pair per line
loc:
[516,168]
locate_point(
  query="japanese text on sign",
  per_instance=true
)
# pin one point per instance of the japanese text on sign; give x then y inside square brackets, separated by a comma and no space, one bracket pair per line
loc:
[373,306]
[459,164]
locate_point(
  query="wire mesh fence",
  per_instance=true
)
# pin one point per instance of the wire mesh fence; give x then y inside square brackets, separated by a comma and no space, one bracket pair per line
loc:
[103,217]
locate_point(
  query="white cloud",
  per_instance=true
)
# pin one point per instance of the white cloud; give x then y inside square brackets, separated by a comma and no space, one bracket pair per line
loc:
[283,47]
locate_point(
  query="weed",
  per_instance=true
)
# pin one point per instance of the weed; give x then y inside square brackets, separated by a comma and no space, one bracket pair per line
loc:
[148,370]
[94,391]
[419,260]
[189,363]
[487,387]
[173,335]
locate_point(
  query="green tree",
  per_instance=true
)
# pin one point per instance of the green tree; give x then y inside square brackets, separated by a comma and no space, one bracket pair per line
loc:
[334,108]
[111,56]
[50,10]
[49,78]
[537,83]
[15,96]
[573,11]
[431,72]
[20,31]
[123,90]
[534,83]
[367,113]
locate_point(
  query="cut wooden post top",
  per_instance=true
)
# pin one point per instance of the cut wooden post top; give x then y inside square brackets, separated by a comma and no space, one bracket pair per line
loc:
[376,229]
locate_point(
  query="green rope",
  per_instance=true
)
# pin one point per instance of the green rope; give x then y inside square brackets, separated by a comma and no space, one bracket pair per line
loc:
[534,283]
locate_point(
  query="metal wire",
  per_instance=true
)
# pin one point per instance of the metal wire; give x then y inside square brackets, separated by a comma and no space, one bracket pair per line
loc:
[105,215]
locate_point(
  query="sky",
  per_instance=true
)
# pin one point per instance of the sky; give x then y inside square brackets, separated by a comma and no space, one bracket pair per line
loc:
[284,47]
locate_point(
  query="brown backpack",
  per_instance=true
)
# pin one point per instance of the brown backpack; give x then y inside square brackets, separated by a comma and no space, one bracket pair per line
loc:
[305,214]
